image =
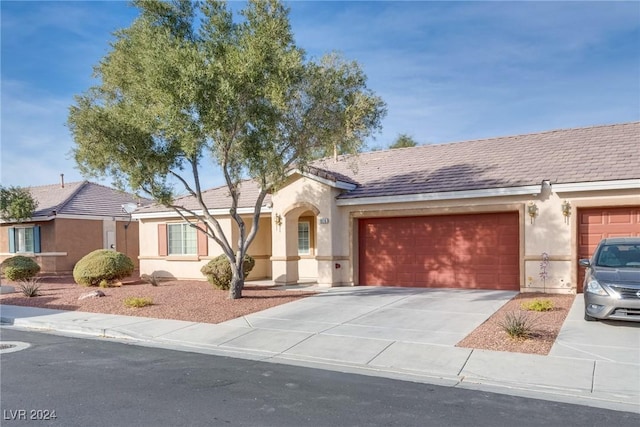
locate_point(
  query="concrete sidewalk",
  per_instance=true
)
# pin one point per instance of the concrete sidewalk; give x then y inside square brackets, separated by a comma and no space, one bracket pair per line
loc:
[407,334]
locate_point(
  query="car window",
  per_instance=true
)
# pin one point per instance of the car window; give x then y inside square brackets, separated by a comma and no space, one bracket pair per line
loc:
[619,256]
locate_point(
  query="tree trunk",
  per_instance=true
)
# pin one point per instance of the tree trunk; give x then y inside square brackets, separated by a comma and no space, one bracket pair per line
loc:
[237,282]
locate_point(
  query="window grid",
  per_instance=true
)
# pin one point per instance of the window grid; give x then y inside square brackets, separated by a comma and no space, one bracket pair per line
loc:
[182,239]
[304,238]
[24,240]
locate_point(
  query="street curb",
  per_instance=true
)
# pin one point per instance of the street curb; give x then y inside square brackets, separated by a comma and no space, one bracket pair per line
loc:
[572,396]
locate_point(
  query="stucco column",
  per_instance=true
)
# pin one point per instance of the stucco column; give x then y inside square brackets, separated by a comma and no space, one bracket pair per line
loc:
[333,268]
[284,258]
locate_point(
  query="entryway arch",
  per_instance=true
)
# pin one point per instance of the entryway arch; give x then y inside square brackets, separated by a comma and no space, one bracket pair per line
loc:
[295,244]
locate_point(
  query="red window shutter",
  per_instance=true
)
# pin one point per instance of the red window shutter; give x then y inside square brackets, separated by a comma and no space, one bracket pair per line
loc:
[203,245]
[163,248]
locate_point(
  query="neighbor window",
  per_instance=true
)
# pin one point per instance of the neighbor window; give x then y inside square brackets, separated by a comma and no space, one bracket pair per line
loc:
[24,239]
[182,239]
[304,238]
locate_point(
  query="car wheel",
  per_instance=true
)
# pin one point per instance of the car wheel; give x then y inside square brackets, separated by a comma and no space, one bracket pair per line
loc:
[589,318]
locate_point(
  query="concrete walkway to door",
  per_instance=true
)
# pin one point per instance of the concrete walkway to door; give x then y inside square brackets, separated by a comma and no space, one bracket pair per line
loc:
[402,333]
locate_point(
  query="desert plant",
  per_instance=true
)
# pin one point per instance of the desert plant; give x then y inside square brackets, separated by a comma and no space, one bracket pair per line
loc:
[537,305]
[19,267]
[137,302]
[218,271]
[30,287]
[517,324]
[102,267]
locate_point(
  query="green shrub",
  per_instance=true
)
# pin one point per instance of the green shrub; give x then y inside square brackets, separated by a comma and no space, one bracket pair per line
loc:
[218,271]
[517,325]
[19,268]
[30,287]
[537,305]
[137,302]
[102,267]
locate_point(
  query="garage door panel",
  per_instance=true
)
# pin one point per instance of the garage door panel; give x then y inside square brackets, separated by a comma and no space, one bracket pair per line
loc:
[595,224]
[620,218]
[474,251]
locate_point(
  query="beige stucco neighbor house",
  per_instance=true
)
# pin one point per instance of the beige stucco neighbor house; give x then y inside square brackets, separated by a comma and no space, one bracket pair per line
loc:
[71,220]
[513,212]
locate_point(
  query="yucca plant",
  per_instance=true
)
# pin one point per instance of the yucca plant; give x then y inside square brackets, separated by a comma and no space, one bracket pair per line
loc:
[30,287]
[518,325]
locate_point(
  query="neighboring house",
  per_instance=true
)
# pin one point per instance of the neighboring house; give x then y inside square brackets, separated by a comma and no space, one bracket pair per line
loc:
[71,220]
[510,213]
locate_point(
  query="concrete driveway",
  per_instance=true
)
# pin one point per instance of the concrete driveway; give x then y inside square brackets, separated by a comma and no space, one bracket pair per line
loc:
[361,317]
[609,340]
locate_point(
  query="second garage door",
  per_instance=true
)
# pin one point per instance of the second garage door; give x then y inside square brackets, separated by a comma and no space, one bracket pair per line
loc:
[455,251]
[595,224]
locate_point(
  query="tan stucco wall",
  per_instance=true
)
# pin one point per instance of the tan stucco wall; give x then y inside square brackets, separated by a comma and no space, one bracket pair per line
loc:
[334,260]
[188,267]
[550,232]
[300,198]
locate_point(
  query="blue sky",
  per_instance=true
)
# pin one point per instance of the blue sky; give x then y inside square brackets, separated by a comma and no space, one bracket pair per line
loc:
[448,71]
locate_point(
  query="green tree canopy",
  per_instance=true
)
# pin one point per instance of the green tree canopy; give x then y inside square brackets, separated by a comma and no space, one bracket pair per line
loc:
[188,85]
[403,141]
[16,203]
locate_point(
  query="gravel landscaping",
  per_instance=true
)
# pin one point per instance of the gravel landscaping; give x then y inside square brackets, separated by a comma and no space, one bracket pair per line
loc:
[198,301]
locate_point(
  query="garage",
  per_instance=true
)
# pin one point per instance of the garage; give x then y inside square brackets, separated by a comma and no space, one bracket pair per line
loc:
[595,224]
[479,251]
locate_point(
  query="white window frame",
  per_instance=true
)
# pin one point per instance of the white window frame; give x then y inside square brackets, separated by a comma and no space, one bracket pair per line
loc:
[24,240]
[187,243]
[304,238]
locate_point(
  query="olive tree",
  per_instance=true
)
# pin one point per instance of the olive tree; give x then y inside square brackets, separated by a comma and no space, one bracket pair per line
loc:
[16,203]
[403,141]
[191,86]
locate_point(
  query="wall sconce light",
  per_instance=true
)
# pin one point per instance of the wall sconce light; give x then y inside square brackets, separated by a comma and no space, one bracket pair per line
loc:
[566,211]
[532,210]
[324,220]
[278,220]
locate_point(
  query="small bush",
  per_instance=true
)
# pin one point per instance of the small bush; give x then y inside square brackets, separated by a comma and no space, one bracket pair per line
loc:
[517,325]
[218,271]
[30,287]
[137,302]
[19,267]
[537,305]
[102,268]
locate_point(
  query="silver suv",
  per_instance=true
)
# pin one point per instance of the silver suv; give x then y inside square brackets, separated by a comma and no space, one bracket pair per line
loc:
[612,280]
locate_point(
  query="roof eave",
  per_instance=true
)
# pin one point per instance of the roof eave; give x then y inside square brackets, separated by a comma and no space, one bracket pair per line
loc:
[532,190]
[213,212]
[620,184]
[28,220]
[342,185]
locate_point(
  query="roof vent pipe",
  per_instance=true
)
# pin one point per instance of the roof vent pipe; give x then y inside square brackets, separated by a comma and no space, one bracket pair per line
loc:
[61,180]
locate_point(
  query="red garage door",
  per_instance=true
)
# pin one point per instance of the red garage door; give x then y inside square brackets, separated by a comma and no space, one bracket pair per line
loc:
[595,224]
[454,251]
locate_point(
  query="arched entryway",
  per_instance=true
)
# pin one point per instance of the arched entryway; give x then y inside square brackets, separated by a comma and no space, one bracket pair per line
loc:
[295,245]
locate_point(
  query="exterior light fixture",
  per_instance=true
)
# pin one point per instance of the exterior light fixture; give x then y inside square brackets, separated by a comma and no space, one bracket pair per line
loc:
[532,210]
[278,220]
[566,211]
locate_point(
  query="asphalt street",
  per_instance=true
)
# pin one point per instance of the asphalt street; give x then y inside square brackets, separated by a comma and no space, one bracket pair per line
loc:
[96,382]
